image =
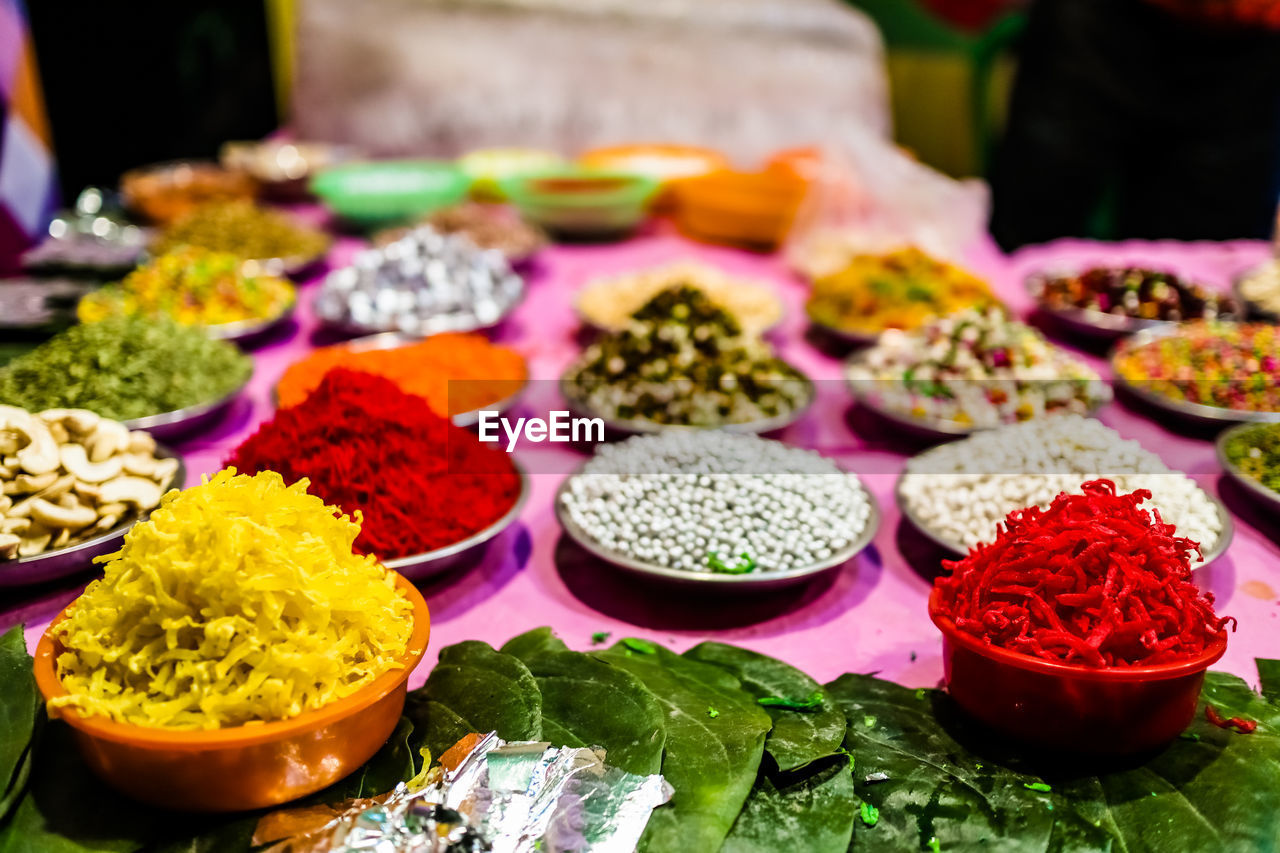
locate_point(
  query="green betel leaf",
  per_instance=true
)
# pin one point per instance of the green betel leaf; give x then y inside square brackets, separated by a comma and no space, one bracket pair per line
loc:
[19,708]
[587,702]
[475,689]
[1269,678]
[809,810]
[798,737]
[711,762]
[950,782]
[535,642]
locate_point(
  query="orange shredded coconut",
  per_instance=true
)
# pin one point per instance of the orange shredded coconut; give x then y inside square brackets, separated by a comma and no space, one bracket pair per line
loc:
[456,372]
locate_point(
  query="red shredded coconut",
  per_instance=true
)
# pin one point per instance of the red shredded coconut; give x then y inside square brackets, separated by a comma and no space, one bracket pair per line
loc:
[1092,580]
[1240,724]
[420,482]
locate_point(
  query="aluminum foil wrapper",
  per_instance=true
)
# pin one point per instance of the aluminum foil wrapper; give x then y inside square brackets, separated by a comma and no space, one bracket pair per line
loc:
[422,284]
[91,238]
[505,798]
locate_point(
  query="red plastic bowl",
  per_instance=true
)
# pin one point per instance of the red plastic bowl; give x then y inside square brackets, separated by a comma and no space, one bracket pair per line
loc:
[1066,707]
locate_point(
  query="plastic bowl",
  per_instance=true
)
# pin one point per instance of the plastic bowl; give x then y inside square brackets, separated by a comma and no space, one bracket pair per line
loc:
[1061,707]
[753,209]
[245,767]
[377,194]
[488,167]
[582,203]
[663,162]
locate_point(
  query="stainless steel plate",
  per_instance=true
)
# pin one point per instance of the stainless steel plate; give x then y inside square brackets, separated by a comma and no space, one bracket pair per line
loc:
[64,562]
[752,581]
[1083,321]
[246,330]
[1266,497]
[1196,413]
[419,566]
[639,426]
[1219,547]
[167,425]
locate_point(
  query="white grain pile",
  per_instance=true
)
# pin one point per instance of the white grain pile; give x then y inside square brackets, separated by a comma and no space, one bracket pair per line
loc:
[673,499]
[963,489]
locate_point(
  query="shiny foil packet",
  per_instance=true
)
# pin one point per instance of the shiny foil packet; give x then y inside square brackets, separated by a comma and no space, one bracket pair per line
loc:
[503,797]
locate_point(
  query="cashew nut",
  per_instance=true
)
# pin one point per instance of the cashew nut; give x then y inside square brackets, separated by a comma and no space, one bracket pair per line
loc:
[9,545]
[108,439]
[40,456]
[139,464]
[59,433]
[10,441]
[76,461]
[165,471]
[15,525]
[32,545]
[137,491]
[35,482]
[141,441]
[55,516]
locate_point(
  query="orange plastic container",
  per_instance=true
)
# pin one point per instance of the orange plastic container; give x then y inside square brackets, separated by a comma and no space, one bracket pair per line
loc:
[663,162]
[752,209]
[1061,707]
[250,766]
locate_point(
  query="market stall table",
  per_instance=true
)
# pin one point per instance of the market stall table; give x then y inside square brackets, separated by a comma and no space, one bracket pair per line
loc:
[872,616]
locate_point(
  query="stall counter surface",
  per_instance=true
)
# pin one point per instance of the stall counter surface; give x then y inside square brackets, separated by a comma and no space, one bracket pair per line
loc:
[871,616]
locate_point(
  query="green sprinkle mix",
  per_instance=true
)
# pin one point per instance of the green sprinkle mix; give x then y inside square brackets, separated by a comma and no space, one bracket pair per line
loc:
[739,565]
[712,713]
[870,814]
[1038,786]
[644,647]
[919,692]
[1189,736]
[869,721]
[600,637]
[977,766]
[813,702]
[934,844]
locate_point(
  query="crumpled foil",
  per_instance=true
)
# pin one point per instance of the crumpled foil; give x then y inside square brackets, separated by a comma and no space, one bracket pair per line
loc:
[92,237]
[517,797]
[422,284]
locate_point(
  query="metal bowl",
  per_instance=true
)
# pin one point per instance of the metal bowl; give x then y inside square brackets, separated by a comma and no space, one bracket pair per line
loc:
[1219,547]
[1195,413]
[1251,309]
[293,266]
[640,426]
[391,340]
[1266,497]
[64,562]
[167,425]
[417,567]
[242,331]
[1085,321]
[753,581]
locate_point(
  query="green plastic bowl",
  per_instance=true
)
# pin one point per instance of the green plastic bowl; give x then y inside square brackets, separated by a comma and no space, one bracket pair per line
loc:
[374,195]
[579,203]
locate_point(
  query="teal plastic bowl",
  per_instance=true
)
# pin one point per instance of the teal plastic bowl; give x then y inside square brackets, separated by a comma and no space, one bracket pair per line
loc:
[373,195]
[584,204]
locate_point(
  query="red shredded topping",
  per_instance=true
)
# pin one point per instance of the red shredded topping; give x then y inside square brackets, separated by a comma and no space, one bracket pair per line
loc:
[1092,580]
[420,482]
[1240,724]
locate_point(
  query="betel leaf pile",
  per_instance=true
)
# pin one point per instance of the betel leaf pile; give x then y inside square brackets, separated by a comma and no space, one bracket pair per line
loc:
[760,756]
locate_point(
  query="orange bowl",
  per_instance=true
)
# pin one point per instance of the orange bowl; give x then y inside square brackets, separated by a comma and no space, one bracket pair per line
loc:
[1066,707]
[753,209]
[249,766]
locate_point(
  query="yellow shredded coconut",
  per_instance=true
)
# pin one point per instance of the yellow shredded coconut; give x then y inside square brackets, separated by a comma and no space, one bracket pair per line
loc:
[239,601]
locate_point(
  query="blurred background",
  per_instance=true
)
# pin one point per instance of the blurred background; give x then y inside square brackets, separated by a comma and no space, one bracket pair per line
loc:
[1094,118]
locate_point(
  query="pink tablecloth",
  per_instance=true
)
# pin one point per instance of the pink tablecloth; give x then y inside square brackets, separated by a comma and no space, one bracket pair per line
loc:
[871,616]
